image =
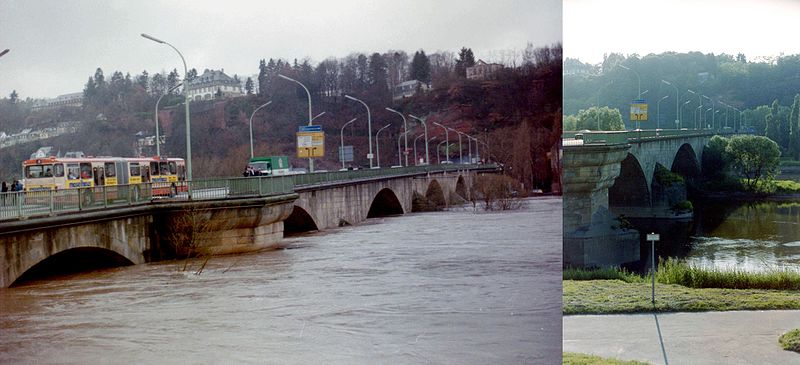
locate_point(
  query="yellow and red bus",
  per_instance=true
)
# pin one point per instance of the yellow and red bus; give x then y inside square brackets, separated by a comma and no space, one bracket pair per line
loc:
[54,173]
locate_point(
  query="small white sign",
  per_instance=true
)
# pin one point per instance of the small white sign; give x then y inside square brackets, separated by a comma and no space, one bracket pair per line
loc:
[369,156]
[653,236]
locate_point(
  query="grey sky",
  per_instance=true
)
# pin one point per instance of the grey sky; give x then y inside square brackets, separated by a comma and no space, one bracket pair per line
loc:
[757,28]
[56,45]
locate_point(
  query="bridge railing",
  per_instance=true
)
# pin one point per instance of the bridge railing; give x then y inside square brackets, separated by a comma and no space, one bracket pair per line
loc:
[21,205]
[623,137]
[18,205]
[319,178]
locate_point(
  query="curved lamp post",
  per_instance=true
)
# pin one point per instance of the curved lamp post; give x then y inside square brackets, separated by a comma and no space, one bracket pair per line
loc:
[446,138]
[158,138]
[399,159]
[427,161]
[712,112]
[701,105]
[405,130]
[677,110]
[251,125]
[341,136]
[310,159]
[378,144]
[369,127]
[686,103]
[658,111]
[186,103]
[416,161]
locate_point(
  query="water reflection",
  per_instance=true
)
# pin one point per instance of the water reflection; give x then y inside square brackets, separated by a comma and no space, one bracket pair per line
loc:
[748,236]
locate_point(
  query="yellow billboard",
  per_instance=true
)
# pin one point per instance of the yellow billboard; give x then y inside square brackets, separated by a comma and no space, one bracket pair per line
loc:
[638,111]
[310,144]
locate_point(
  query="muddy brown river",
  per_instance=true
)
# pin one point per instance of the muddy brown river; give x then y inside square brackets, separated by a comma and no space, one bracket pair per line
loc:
[454,287]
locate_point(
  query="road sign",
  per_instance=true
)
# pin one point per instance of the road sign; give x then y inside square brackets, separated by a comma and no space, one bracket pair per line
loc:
[310,144]
[370,156]
[346,154]
[639,110]
[310,128]
[653,237]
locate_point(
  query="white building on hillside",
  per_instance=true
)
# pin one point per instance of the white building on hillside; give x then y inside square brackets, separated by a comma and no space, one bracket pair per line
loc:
[212,82]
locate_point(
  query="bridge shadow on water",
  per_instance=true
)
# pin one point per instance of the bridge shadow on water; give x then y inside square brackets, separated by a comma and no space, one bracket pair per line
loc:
[73,261]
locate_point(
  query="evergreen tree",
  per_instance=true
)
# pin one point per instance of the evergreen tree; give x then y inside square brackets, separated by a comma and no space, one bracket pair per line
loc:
[13,97]
[248,86]
[192,74]
[794,129]
[772,130]
[465,59]
[262,76]
[172,79]
[377,73]
[421,67]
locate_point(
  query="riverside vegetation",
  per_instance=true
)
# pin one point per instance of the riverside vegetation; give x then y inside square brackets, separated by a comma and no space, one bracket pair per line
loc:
[680,287]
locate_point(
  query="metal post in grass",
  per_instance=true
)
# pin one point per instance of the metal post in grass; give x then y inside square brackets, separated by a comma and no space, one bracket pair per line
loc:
[653,237]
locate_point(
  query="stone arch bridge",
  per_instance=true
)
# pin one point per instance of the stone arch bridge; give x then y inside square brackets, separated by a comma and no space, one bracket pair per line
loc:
[237,215]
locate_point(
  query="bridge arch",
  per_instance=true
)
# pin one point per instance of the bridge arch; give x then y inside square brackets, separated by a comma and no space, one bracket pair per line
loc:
[385,203]
[461,188]
[685,162]
[299,221]
[73,260]
[630,188]
[435,194]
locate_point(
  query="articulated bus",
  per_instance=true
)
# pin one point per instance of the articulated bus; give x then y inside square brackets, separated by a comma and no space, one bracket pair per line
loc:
[54,173]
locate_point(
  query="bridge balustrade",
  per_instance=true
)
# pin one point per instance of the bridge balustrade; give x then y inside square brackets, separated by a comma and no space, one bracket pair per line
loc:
[23,205]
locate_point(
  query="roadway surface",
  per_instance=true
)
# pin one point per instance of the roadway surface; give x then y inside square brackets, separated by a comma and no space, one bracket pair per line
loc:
[738,337]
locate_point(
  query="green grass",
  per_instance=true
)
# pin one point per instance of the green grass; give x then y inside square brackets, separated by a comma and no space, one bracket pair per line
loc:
[571,358]
[616,296]
[790,341]
[787,187]
[680,273]
[789,162]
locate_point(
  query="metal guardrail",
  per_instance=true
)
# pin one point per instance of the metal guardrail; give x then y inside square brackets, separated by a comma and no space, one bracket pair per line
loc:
[321,178]
[623,137]
[23,205]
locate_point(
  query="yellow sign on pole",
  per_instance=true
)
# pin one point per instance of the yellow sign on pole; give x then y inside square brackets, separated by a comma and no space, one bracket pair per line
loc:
[310,144]
[638,111]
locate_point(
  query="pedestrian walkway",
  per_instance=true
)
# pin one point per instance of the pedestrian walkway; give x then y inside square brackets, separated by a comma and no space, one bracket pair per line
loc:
[740,337]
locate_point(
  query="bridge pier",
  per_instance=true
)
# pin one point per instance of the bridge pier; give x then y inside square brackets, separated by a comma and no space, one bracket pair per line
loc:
[592,235]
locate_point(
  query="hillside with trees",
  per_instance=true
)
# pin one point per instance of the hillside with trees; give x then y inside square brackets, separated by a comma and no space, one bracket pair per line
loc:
[515,113]
[765,90]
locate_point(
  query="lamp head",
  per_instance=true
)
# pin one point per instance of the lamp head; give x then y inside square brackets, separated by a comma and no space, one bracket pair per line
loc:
[154,39]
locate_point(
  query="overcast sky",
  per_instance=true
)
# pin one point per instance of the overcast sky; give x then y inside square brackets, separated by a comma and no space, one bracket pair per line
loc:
[757,28]
[56,45]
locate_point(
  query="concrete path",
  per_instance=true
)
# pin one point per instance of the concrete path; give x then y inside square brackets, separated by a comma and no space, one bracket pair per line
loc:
[742,337]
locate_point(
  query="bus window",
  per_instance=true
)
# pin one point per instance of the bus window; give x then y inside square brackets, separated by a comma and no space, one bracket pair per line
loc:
[173,168]
[111,170]
[58,170]
[164,168]
[154,168]
[182,173]
[73,171]
[99,179]
[86,170]
[135,170]
[145,173]
[34,171]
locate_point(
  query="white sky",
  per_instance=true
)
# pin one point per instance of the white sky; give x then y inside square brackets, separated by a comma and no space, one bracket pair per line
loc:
[57,45]
[764,28]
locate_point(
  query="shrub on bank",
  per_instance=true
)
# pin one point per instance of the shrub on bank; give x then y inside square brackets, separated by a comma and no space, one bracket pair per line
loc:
[790,341]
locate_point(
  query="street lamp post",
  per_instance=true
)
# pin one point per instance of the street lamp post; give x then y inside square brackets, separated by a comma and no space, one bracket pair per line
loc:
[158,138]
[369,127]
[251,125]
[677,111]
[687,102]
[460,148]
[416,161]
[438,157]
[446,138]
[186,103]
[341,136]
[704,114]
[399,159]
[310,159]
[639,91]
[405,131]
[424,125]
[698,110]
[712,111]
[378,144]
[658,111]
[699,107]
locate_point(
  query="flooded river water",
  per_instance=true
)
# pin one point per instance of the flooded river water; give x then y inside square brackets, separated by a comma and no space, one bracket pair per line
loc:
[454,287]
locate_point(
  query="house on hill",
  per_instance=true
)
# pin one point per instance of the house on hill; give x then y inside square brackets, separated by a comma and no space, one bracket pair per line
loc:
[483,70]
[408,88]
[213,82]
